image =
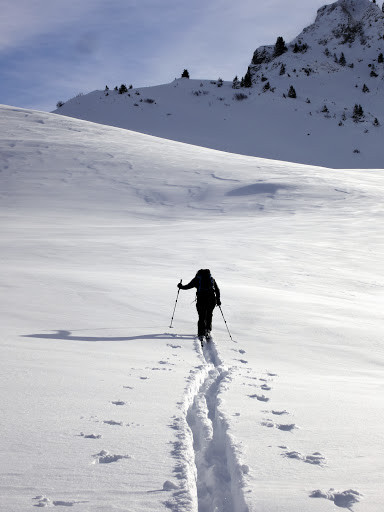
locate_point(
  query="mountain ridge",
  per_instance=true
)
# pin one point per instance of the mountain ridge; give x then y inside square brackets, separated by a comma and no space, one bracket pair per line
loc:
[335,67]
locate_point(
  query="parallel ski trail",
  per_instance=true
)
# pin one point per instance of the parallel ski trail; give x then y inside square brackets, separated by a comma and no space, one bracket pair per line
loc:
[218,474]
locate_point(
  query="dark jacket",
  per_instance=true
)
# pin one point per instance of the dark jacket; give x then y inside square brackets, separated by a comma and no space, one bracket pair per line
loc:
[202,294]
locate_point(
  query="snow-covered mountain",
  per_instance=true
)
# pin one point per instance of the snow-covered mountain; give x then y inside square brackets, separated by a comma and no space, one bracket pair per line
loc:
[335,66]
[104,407]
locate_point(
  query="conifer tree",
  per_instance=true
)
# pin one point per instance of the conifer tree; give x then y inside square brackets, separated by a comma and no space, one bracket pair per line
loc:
[123,89]
[248,78]
[365,88]
[266,87]
[185,74]
[219,82]
[292,92]
[280,47]
[235,83]
[282,69]
[342,60]
[380,58]
[376,122]
[373,73]
[358,113]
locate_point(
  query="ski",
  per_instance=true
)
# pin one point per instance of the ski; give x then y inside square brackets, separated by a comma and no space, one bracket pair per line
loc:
[207,337]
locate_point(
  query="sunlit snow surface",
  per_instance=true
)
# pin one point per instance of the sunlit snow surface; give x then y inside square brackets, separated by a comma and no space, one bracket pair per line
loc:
[104,407]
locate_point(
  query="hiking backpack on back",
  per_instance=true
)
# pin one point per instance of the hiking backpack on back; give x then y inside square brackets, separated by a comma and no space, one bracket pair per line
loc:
[206,285]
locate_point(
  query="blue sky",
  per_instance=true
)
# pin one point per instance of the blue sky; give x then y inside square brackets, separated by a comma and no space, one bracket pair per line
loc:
[52,50]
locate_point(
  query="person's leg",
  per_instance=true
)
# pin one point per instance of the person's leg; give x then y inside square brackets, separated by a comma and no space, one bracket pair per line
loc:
[201,324]
[208,316]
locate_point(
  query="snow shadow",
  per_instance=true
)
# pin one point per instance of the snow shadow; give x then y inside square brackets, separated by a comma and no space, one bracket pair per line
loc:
[67,335]
[259,188]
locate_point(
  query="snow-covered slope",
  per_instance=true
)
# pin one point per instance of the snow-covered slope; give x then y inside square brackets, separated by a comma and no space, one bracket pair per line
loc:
[104,407]
[333,65]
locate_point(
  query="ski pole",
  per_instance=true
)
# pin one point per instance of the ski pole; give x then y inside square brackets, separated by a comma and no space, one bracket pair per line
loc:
[174,309]
[226,325]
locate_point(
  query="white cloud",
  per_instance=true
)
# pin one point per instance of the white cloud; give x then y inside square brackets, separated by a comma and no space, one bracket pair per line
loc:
[26,19]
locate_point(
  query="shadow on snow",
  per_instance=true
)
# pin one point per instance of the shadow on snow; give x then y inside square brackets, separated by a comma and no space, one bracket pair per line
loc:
[67,335]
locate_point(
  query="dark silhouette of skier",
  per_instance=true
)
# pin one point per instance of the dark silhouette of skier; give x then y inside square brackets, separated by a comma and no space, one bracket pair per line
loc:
[207,297]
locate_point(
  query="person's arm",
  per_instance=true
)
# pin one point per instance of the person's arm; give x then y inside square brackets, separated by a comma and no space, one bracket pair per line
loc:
[192,284]
[217,293]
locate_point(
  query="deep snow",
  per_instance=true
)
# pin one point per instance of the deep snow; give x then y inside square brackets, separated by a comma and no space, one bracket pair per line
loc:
[106,408]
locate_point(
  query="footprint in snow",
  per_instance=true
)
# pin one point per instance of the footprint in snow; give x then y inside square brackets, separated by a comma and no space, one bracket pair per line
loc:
[265,387]
[286,427]
[118,402]
[240,351]
[128,387]
[316,458]
[113,422]
[173,346]
[44,501]
[261,398]
[344,499]
[279,413]
[105,457]
[90,436]
[143,378]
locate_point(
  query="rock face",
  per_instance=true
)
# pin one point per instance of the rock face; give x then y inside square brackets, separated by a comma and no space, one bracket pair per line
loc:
[354,28]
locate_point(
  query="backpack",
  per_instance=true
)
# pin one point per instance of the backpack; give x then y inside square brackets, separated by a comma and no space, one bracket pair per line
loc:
[205,285]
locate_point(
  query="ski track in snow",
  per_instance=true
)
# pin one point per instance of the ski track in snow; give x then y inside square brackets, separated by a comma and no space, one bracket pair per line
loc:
[211,474]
